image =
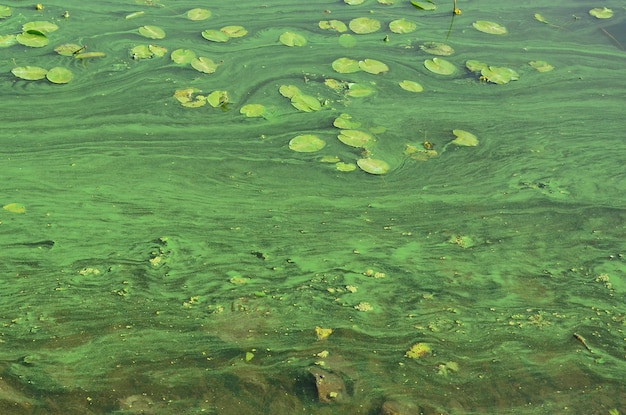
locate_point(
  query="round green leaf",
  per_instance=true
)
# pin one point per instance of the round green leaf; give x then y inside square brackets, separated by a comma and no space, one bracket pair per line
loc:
[68,49]
[183,56]
[347,40]
[364,25]
[422,5]
[306,143]
[138,52]
[152,32]
[33,38]
[234,31]
[7,40]
[373,66]
[58,75]
[402,26]
[289,91]
[464,138]
[489,27]
[475,66]
[43,27]
[292,39]
[5,11]
[215,35]
[437,48]
[305,103]
[499,75]
[217,98]
[335,25]
[252,110]
[355,138]
[359,90]
[198,14]
[346,65]
[373,166]
[30,73]
[601,13]
[345,121]
[440,66]
[203,64]
[541,66]
[411,86]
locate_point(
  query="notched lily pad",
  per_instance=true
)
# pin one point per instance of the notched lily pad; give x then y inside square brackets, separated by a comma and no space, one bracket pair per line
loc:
[464,138]
[499,75]
[218,99]
[306,143]
[234,31]
[402,26]
[601,13]
[289,91]
[183,56]
[5,11]
[373,166]
[7,40]
[475,66]
[203,64]
[190,98]
[489,27]
[306,103]
[437,48]
[541,66]
[345,121]
[440,66]
[43,27]
[364,25]
[215,36]
[373,66]
[152,32]
[411,86]
[30,73]
[424,5]
[292,39]
[334,25]
[356,90]
[68,49]
[355,138]
[32,38]
[198,14]
[252,110]
[346,65]
[59,75]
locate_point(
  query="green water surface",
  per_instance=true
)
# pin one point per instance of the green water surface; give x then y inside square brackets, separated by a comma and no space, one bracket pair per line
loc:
[174,260]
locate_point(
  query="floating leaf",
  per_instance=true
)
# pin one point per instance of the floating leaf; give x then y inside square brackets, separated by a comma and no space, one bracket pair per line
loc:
[347,40]
[373,66]
[341,166]
[541,66]
[134,15]
[437,48]
[336,25]
[305,103]
[5,11]
[14,208]
[292,39]
[601,13]
[138,52]
[198,14]
[440,66]
[203,64]
[307,143]
[359,90]
[289,91]
[43,27]
[540,18]
[346,65]
[89,55]
[411,86]
[355,138]
[58,75]
[402,26]
[188,98]
[364,25]
[217,98]
[157,50]
[373,166]
[489,27]
[418,350]
[32,38]
[183,56]
[345,121]
[152,32]
[499,75]
[475,66]
[7,40]
[353,2]
[252,110]
[215,36]
[234,31]
[422,5]
[464,138]
[30,73]
[68,49]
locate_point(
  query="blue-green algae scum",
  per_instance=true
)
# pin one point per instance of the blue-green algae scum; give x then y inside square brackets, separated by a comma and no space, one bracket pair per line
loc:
[326,207]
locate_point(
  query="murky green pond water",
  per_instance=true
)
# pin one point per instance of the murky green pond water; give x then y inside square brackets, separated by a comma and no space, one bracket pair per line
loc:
[164,253]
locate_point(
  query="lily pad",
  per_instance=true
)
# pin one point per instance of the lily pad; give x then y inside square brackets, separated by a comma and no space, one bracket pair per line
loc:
[373,166]
[342,166]
[439,66]
[58,75]
[198,14]
[499,75]
[189,97]
[32,38]
[234,31]
[475,66]
[89,55]
[7,40]
[68,49]
[306,103]
[464,138]
[183,56]
[489,27]
[437,48]
[353,2]
[215,35]
[30,73]
[364,25]
[541,66]
[203,64]
[423,5]
[252,110]
[5,11]
[152,32]
[373,66]
[292,39]
[402,26]
[345,121]
[359,90]
[217,98]
[355,138]
[43,27]
[411,86]
[306,143]
[289,91]
[601,13]
[346,65]
[138,52]
[134,15]
[14,208]
[334,25]
[158,51]
[347,40]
